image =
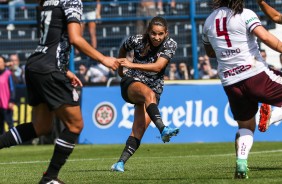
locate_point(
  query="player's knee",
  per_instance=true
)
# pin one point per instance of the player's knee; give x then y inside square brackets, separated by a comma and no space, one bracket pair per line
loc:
[76,127]
[150,97]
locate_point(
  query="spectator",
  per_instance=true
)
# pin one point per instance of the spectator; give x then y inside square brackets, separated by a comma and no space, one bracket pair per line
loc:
[96,74]
[201,59]
[7,96]
[146,8]
[206,71]
[13,4]
[264,56]
[183,71]
[81,73]
[168,7]
[172,72]
[16,69]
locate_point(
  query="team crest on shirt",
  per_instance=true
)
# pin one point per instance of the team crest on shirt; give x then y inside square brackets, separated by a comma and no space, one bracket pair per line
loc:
[104,115]
[75,95]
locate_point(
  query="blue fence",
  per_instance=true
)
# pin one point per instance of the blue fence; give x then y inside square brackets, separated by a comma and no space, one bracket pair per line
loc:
[118,20]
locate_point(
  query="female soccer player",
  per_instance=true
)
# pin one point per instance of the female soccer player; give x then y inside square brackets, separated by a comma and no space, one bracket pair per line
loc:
[229,34]
[142,83]
[51,86]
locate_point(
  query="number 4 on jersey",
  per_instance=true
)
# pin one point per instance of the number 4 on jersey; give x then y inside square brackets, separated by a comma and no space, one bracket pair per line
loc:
[223,32]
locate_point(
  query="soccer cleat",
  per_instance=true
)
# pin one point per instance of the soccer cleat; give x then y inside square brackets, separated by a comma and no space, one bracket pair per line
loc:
[119,167]
[265,114]
[47,180]
[241,169]
[168,132]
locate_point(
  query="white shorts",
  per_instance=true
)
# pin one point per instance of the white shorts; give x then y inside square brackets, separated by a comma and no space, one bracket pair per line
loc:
[89,16]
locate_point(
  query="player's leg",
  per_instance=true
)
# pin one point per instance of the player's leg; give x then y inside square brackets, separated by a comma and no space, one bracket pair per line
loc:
[9,118]
[72,119]
[243,144]
[41,125]
[264,119]
[140,124]
[140,93]
[268,116]
[2,120]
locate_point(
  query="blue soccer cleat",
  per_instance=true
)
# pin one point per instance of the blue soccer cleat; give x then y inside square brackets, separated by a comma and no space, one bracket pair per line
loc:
[168,132]
[119,167]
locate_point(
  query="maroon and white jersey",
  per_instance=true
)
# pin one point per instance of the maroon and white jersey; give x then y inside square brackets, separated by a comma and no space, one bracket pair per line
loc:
[53,50]
[235,46]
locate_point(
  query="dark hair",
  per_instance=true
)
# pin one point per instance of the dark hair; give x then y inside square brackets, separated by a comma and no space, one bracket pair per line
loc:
[4,59]
[40,3]
[156,21]
[236,6]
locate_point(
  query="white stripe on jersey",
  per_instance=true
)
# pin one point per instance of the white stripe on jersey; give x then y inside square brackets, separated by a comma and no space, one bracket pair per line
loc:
[235,46]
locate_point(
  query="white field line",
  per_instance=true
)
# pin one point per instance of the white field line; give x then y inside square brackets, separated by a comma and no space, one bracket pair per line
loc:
[101,159]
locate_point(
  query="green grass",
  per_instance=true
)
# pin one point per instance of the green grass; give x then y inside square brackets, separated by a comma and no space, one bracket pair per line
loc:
[210,163]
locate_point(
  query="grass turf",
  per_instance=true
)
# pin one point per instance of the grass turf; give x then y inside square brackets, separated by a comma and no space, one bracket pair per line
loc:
[152,163]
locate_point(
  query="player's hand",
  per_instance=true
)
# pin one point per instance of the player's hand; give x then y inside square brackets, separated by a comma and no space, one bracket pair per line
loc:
[73,78]
[125,63]
[111,62]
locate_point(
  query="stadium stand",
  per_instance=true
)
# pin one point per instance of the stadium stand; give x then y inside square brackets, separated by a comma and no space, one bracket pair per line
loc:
[118,22]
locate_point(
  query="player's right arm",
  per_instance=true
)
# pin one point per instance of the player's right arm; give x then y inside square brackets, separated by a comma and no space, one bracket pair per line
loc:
[273,14]
[122,54]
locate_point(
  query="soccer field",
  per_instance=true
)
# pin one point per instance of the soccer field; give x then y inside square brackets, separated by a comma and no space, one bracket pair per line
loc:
[152,163]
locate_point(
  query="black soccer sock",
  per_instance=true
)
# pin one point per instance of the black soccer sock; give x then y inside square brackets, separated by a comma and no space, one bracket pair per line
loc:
[154,113]
[17,135]
[63,148]
[132,144]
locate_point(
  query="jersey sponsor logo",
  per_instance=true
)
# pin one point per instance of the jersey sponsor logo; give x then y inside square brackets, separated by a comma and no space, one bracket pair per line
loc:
[51,3]
[237,70]
[251,19]
[228,53]
[42,49]
[104,115]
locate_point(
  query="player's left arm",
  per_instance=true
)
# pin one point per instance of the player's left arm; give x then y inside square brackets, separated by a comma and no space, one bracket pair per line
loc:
[209,51]
[268,39]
